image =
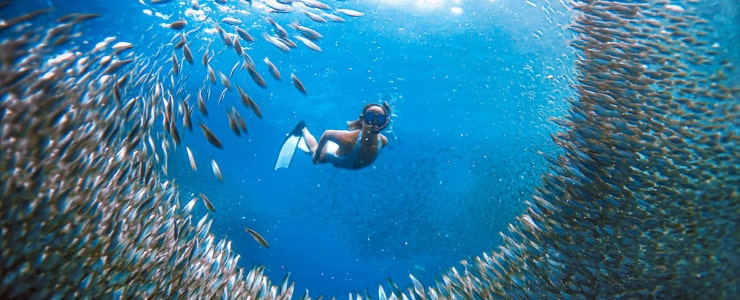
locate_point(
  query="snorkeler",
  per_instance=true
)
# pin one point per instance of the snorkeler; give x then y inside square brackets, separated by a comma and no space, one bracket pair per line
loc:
[354,148]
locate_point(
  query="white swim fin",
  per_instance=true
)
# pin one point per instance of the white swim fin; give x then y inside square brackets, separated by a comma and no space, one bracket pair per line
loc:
[292,141]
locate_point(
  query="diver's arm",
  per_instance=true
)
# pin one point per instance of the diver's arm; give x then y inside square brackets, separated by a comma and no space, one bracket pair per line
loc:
[329,135]
[345,139]
[319,148]
[383,140]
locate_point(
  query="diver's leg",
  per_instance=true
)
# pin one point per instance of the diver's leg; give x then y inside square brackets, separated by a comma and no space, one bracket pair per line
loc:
[310,140]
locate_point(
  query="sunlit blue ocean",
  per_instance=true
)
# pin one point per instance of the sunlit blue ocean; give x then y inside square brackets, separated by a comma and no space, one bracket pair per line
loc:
[470,103]
[473,86]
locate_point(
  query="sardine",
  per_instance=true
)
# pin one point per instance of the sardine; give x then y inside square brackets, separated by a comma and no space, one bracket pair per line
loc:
[181,42]
[233,69]
[121,47]
[333,17]
[273,69]
[207,202]
[191,159]
[202,104]
[232,124]
[224,80]
[305,31]
[316,4]
[243,34]
[211,137]
[349,12]
[211,74]
[188,55]
[257,237]
[186,112]
[256,77]
[310,44]
[314,17]
[216,171]
[239,120]
[231,21]
[222,96]
[298,84]
[237,46]
[177,25]
[279,30]
[175,64]
[276,42]
[248,102]
[115,65]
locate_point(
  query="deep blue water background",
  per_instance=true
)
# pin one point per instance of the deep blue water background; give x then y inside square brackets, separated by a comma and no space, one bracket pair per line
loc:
[471,97]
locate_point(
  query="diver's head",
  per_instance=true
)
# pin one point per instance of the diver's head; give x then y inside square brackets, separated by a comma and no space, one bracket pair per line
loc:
[376,117]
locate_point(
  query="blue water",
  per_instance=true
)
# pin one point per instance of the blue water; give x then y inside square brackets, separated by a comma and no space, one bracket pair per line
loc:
[471,95]
[467,110]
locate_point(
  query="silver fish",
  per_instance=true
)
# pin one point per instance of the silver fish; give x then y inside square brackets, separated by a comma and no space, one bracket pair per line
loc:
[349,12]
[115,65]
[224,80]
[231,21]
[177,25]
[239,120]
[332,17]
[216,170]
[237,46]
[186,114]
[249,103]
[305,31]
[279,30]
[211,75]
[122,47]
[181,42]
[222,96]
[193,165]
[256,77]
[243,34]
[273,69]
[298,84]
[188,55]
[211,137]
[314,17]
[310,44]
[175,64]
[207,202]
[257,237]
[232,124]
[277,42]
[202,104]
[233,69]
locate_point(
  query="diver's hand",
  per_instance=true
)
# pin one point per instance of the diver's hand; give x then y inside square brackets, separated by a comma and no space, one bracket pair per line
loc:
[315,157]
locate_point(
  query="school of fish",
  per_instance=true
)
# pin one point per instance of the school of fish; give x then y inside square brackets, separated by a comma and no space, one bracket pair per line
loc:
[642,203]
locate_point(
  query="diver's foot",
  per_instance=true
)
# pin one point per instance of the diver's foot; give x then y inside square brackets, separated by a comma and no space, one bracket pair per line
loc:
[298,130]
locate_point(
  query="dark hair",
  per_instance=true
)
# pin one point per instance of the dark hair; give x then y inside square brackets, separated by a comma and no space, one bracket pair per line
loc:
[356,124]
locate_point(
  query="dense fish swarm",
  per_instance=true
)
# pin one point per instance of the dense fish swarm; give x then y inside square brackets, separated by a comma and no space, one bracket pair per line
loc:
[85,212]
[643,203]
